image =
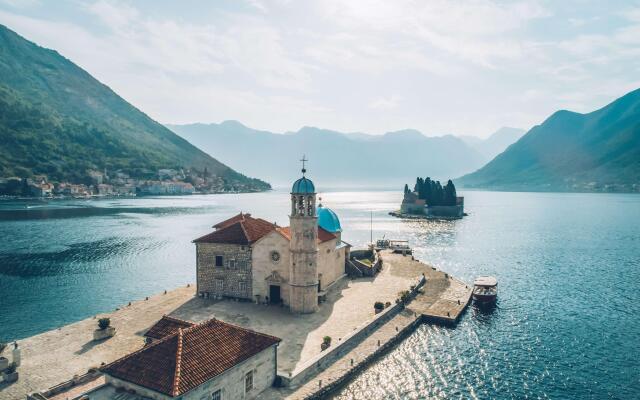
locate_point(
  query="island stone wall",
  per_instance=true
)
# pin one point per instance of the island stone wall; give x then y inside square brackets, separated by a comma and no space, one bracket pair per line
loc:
[232,279]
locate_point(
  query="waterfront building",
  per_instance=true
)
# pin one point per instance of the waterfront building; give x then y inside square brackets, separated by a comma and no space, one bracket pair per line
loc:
[212,360]
[252,259]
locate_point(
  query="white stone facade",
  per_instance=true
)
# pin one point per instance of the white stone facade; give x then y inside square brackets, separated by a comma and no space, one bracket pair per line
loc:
[283,266]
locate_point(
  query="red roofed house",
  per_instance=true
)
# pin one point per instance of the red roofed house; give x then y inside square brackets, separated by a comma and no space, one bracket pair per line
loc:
[213,360]
[256,260]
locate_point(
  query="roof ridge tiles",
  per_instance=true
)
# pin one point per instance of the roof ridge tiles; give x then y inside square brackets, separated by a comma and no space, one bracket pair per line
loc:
[176,377]
[140,350]
[181,361]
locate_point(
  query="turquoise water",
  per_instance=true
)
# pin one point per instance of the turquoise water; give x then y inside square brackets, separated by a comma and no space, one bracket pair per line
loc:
[566,324]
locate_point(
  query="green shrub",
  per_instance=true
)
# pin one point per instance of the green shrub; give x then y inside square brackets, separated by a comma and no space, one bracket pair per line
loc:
[11,368]
[378,305]
[326,339]
[103,323]
[404,296]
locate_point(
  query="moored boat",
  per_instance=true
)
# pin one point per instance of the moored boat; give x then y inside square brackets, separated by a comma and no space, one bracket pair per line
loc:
[485,289]
[398,246]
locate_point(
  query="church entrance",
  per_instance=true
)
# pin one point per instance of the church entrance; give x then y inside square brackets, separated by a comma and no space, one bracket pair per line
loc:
[274,294]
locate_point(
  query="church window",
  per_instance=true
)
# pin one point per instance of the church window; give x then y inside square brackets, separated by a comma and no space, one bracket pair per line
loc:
[217,395]
[242,286]
[248,382]
[219,261]
[275,256]
[232,263]
[310,206]
[219,285]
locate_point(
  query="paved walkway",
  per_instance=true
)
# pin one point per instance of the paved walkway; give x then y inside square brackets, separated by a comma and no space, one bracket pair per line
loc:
[57,355]
[443,298]
[359,354]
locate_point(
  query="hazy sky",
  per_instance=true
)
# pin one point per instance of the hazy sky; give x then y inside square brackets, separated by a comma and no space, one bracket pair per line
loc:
[370,66]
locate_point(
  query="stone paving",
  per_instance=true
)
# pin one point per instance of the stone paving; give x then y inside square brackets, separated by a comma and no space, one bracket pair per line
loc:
[442,297]
[349,304]
[343,366]
[56,356]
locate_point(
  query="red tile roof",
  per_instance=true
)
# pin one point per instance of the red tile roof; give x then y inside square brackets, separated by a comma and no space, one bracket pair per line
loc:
[188,358]
[241,229]
[231,221]
[323,235]
[167,326]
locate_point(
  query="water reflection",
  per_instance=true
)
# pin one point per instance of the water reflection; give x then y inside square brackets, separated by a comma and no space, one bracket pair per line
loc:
[567,263]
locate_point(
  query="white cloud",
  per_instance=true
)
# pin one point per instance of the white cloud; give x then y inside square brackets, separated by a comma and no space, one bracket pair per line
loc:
[385,103]
[439,66]
[20,3]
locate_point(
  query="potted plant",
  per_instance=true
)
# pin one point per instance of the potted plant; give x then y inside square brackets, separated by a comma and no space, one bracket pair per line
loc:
[105,330]
[10,374]
[378,306]
[4,362]
[326,342]
[404,296]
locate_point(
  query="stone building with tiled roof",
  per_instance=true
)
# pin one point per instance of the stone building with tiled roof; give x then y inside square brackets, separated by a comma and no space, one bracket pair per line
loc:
[255,260]
[166,326]
[213,360]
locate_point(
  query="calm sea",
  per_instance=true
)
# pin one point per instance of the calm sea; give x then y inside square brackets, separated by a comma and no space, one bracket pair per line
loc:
[566,325]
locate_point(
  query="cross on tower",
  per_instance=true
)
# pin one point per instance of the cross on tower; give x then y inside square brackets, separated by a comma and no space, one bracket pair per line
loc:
[304,159]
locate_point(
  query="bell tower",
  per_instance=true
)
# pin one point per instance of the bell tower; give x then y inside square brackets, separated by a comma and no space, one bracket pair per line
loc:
[303,271]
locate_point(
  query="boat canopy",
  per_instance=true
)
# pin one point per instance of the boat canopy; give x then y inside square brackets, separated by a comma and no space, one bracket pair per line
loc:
[486,281]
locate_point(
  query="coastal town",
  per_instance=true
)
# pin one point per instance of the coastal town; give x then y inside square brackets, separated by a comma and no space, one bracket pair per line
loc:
[275,312]
[118,183]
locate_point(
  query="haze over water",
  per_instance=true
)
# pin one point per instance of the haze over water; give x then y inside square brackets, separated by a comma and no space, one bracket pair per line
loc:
[566,324]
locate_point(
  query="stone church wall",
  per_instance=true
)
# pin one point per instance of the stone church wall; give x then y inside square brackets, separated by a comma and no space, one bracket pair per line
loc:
[331,262]
[233,279]
[264,266]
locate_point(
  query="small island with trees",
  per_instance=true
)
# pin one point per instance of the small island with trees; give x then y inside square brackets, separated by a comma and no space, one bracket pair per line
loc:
[430,200]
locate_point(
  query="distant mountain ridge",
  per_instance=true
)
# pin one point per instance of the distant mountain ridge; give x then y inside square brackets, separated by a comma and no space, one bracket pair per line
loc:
[57,120]
[496,143]
[599,150]
[338,159]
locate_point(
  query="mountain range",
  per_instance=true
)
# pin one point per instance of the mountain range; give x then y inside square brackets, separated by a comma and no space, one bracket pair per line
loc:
[59,121]
[496,143]
[599,150]
[340,159]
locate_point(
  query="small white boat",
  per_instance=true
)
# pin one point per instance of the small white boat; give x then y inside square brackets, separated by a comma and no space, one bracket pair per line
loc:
[485,289]
[398,246]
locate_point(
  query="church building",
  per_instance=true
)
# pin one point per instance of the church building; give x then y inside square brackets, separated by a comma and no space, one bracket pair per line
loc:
[253,259]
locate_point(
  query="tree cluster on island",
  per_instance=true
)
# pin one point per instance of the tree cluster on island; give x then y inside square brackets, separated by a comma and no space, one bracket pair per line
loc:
[433,193]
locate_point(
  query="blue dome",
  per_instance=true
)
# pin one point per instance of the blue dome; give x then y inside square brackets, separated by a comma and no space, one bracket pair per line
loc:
[328,220]
[303,186]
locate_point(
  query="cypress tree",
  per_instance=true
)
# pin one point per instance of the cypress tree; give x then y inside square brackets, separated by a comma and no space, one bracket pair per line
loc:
[428,191]
[450,194]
